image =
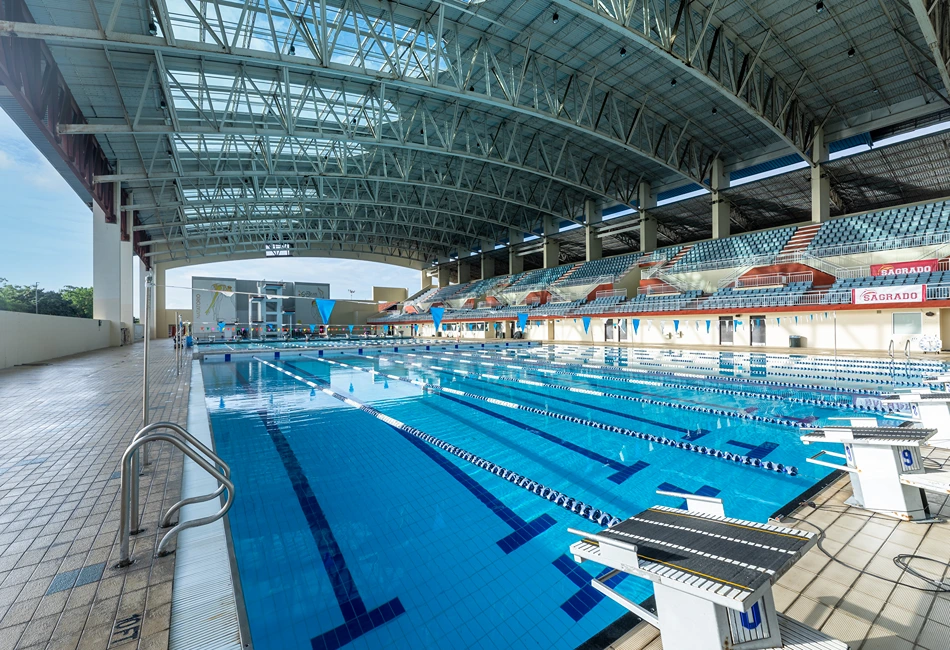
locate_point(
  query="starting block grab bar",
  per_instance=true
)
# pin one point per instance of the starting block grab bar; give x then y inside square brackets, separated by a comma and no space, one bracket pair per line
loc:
[814,461]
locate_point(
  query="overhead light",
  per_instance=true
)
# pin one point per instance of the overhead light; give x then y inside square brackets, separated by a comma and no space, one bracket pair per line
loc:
[673,82]
[623,51]
[471,89]
[152,28]
[715,110]
[819,7]
[851,53]
[555,18]
[293,50]
[162,103]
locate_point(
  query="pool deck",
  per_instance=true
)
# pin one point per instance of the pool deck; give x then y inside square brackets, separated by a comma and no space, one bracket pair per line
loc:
[63,428]
[846,603]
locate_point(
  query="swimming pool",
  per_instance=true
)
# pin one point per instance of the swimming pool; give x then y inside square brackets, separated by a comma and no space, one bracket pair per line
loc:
[420,498]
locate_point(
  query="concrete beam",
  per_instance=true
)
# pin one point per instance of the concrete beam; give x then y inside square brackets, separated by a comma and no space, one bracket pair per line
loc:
[488,262]
[820,183]
[464,272]
[593,215]
[515,261]
[551,248]
[107,274]
[721,212]
[646,201]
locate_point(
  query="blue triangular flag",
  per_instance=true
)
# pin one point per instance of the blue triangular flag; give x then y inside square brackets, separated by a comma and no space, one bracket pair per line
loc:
[708,324]
[586,320]
[796,320]
[522,320]
[636,325]
[778,321]
[437,313]
[676,325]
[351,328]
[325,307]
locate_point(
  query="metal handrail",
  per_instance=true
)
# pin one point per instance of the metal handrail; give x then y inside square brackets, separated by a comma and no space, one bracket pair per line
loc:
[890,349]
[907,348]
[202,448]
[129,480]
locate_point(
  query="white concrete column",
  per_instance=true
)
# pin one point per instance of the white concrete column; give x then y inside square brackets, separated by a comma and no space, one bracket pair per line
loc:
[465,272]
[721,224]
[126,278]
[551,248]
[646,201]
[445,274]
[141,267]
[488,262]
[593,215]
[426,279]
[515,262]
[159,319]
[820,184]
[106,273]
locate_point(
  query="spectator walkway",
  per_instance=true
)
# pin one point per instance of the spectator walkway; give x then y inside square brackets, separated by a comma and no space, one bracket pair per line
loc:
[63,428]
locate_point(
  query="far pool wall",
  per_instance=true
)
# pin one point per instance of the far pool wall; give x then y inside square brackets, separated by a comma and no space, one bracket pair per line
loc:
[31,338]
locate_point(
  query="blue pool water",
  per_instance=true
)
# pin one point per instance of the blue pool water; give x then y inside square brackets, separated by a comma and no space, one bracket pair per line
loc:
[354,531]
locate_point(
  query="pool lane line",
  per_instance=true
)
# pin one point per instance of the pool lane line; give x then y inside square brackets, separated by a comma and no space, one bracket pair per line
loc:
[693,375]
[686,446]
[561,499]
[722,412]
[357,619]
[538,367]
[581,391]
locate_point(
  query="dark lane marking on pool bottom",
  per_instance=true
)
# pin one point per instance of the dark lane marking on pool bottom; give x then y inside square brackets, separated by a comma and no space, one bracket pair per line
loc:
[586,598]
[704,491]
[623,472]
[524,531]
[357,620]
[755,451]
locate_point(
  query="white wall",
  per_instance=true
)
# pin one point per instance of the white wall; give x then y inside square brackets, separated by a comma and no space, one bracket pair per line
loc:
[29,338]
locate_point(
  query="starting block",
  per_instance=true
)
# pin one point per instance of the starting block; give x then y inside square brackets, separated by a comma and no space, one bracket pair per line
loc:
[712,576]
[932,409]
[885,466]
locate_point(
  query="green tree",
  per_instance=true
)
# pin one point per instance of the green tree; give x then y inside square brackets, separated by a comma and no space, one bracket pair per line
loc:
[71,301]
[80,298]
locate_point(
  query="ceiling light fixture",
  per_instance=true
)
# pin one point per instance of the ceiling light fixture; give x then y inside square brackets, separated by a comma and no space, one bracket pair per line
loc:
[851,53]
[555,18]
[623,51]
[673,82]
[293,50]
[152,28]
[819,7]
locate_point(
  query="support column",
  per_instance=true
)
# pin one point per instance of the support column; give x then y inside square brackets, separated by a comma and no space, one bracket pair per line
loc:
[593,215]
[820,184]
[445,274]
[159,313]
[551,248]
[106,274]
[515,262]
[465,272]
[141,267]
[488,262]
[426,279]
[721,224]
[646,201]
[126,279]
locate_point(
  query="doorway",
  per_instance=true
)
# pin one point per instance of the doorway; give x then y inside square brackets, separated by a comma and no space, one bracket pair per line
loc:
[726,330]
[622,329]
[609,330]
[757,331]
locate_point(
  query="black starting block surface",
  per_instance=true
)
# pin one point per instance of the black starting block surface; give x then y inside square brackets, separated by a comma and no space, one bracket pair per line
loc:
[870,434]
[741,554]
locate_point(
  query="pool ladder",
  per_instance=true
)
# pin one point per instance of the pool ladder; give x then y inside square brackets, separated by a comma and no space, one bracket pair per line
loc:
[129,489]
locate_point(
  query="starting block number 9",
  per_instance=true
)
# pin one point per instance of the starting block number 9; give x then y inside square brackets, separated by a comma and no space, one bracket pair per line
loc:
[909,460]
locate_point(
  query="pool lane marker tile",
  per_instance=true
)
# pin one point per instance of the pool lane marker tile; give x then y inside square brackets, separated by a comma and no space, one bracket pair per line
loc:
[623,472]
[755,451]
[524,531]
[586,598]
[357,619]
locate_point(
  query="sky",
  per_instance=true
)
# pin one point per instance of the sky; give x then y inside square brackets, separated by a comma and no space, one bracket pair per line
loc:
[46,237]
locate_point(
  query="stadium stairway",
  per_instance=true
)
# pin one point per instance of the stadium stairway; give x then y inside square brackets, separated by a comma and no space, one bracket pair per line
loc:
[800,240]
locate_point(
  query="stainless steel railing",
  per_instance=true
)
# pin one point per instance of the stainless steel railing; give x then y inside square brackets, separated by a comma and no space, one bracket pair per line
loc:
[129,488]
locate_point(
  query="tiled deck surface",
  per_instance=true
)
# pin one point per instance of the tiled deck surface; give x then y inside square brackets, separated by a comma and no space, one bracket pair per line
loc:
[63,429]
[866,612]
